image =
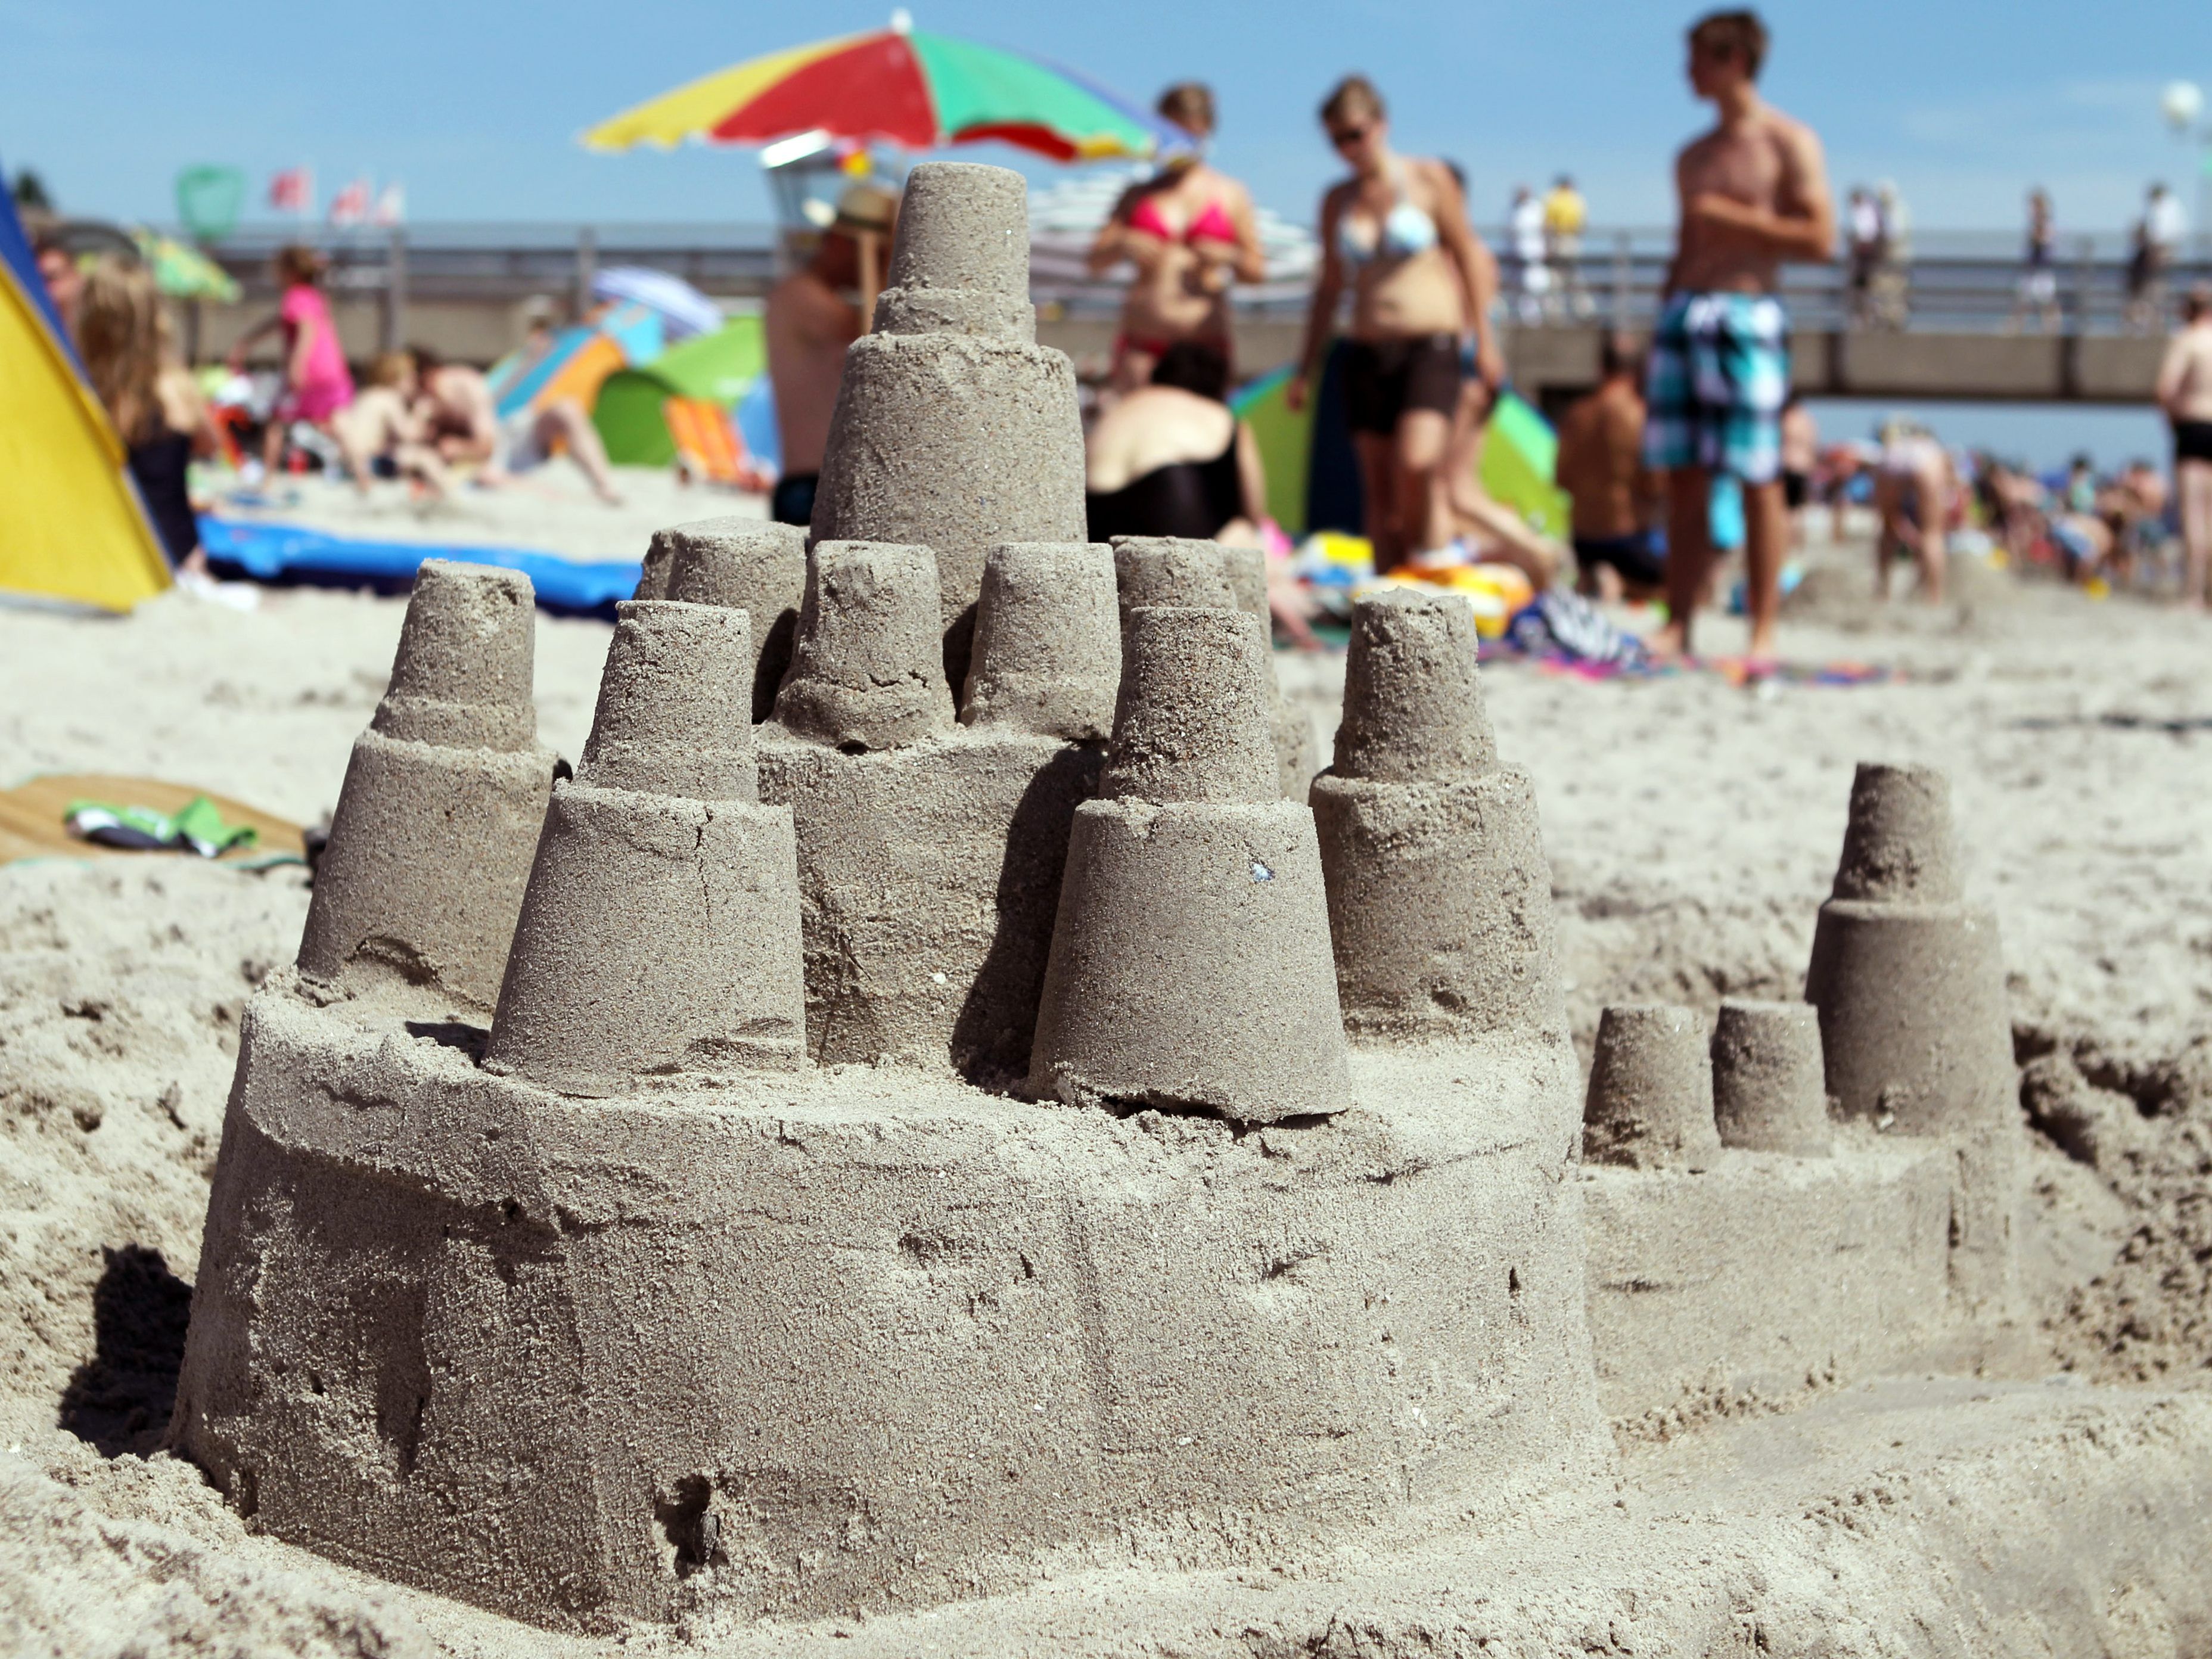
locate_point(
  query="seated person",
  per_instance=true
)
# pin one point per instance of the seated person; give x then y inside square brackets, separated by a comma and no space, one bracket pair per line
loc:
[463,424]
[1170,459]
[1616,497]
[382,434]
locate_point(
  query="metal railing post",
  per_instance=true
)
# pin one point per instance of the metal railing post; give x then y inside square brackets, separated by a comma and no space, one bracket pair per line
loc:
[1622,253]
[395,291]
[587,267]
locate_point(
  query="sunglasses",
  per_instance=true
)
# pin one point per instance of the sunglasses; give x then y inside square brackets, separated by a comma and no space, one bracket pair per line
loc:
[1348,137]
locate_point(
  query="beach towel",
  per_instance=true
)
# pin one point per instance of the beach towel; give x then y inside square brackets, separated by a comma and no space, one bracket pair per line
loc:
[1563,625]
[34,819]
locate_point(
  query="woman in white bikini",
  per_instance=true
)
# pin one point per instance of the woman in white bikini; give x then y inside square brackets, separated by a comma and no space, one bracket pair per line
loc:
[1190,231]
[1397,230]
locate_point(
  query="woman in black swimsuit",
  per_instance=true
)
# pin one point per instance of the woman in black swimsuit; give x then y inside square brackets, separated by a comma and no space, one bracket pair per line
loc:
[1172,458]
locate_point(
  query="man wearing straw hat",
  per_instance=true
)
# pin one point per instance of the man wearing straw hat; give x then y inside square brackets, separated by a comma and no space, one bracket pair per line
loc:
[808,322]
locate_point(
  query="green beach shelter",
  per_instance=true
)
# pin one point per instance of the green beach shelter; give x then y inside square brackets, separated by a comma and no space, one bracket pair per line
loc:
[632,410]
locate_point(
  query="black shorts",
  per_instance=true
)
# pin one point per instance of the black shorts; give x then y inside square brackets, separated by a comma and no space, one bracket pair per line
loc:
[1632,556]
[793,500]
[2192,440]
[1797,487]
[1383,378]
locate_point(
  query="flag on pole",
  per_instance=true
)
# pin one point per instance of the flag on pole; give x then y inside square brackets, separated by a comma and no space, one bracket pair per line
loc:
[293,190]
[391,206]
[350,205]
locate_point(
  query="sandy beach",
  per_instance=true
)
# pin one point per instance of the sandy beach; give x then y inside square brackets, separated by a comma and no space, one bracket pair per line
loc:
[1692,827]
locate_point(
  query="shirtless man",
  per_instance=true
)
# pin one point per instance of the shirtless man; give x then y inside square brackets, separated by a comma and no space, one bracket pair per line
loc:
[1754,192]
[808,322]
[456,405]
[2185,392]
[1600,467]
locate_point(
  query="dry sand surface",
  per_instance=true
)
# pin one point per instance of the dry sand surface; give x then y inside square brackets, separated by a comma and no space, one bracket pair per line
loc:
[1693,829]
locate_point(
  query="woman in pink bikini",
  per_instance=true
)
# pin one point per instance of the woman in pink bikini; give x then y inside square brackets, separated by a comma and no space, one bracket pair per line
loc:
[317,383]
[1190,232]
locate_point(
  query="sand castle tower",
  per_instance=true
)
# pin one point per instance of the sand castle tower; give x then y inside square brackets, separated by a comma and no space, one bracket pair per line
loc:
[1909,980]
[930,851]
[1169,570]
[747,564]
[1190,963]
[954,429]
[660,934]
[418,889]
[1440,900]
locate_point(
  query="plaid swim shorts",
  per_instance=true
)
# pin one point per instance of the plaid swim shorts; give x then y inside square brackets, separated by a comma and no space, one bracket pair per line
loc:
[1719,375]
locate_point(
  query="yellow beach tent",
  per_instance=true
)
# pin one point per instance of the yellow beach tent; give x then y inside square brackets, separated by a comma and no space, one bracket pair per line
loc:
[71,526]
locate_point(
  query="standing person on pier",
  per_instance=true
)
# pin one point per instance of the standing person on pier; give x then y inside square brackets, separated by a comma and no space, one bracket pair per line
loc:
[1397,232]
[2185,392]
[1190,231]
[1754,192]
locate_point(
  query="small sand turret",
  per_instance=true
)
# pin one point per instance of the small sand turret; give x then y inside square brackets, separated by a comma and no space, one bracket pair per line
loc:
[747,565]
[1047,658]
[1440,899]
[418,889]
[661,933]
[1169,570]
[867,670]
[954,429]
[1769,1091]
[1190,963]
[1650,1101]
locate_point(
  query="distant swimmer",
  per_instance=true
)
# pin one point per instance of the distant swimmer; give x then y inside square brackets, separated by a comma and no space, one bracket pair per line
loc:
[2185,392]
[1754,192]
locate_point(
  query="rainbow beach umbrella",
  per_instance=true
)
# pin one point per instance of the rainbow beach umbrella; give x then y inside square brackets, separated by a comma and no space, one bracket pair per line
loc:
[899,86]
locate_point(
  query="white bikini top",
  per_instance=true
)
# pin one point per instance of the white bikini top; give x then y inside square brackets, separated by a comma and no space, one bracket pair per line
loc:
[1406,230]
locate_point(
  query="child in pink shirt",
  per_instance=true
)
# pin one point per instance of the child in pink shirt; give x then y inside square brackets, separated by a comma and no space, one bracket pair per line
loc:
[317,383]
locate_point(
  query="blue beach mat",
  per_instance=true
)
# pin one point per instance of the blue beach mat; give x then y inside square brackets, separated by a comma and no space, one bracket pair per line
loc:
[295,553]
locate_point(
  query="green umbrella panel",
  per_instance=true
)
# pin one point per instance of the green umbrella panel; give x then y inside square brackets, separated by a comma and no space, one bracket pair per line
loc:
[631,413]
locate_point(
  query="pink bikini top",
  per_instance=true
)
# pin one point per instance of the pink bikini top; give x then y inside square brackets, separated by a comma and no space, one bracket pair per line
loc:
[1212,225]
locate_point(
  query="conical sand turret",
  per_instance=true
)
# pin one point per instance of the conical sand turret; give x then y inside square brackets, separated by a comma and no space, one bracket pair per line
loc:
[1047,658]
[867,672]
[430,843]
[954,429]
[660,934]
[1769,1093]
[1440,899]
[1190,964]
[1908,977]
[747,565]
[1650,1100]
[1173,570]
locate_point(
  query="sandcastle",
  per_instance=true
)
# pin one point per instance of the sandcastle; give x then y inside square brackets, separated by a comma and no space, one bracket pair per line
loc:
[922,1143]
[1829,1187]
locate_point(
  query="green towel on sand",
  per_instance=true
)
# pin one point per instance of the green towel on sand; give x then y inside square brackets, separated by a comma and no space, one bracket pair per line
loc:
[195,827]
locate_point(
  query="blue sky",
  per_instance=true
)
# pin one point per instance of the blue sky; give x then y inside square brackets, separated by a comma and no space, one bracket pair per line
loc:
[475,107]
